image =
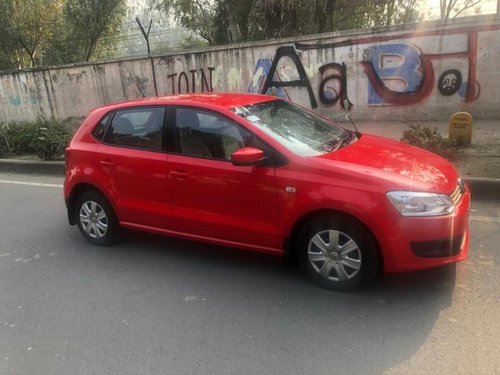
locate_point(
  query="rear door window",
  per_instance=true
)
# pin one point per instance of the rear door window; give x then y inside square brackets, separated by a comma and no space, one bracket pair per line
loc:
[140,128]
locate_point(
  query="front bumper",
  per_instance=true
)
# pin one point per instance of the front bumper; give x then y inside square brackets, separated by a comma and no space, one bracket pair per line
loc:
[415,243]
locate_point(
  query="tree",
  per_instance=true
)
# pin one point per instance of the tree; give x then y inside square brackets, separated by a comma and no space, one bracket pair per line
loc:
[7,52]
[40,32]
[447,7]
[391,12]
[30,24]
[227,21]
[86,25]
[196,15]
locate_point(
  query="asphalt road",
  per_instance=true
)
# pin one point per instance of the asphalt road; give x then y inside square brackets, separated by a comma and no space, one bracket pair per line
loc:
[154,305]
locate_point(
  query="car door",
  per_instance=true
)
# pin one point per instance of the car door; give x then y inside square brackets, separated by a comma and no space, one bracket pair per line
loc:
[212,198]
[133,158]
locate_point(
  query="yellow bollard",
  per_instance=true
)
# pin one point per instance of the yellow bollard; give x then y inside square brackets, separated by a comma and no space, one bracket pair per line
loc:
[460,128]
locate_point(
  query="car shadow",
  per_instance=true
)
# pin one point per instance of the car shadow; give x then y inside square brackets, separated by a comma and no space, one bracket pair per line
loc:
[262,301]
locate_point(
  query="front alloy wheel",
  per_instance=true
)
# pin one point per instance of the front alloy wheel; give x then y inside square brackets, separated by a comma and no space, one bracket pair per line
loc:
[338,252]
[334,255]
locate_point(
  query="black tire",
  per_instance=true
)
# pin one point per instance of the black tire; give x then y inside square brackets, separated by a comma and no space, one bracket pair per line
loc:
[96,229]
[345,268]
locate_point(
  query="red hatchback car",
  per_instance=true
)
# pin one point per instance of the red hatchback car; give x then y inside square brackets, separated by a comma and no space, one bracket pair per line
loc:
[260,173]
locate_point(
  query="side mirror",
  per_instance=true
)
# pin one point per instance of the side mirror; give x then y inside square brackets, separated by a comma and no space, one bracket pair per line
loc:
[247,156]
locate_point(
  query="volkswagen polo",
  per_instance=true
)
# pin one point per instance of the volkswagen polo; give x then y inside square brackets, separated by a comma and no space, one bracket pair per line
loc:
[260,173]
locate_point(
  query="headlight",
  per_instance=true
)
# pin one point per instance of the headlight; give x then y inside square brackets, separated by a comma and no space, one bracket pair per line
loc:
[411,203]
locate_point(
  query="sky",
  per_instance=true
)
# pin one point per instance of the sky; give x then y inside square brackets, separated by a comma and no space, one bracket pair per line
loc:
[486,7]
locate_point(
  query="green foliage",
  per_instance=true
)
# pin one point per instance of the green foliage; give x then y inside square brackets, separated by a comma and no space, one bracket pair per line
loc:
[51,140]
[4,148]
[431,140]
[46,139]
[7,52]
[86,29]
[196,15]
[48,32]
[52,32]
[28,25]
[190,42]
[233,21]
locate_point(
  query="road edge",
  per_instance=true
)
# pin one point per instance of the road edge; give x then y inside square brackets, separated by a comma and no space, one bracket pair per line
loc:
[54,168]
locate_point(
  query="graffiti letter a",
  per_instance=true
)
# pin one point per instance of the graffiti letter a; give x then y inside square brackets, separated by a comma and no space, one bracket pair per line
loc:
[303,81]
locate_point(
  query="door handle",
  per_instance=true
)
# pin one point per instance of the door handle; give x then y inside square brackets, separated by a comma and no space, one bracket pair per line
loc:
[179,174]
[107,163]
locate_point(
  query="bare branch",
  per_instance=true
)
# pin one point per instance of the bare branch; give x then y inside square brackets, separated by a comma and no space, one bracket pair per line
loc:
[449,6]
[468,4]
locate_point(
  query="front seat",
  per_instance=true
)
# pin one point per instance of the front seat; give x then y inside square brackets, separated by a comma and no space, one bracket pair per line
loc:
[191,143]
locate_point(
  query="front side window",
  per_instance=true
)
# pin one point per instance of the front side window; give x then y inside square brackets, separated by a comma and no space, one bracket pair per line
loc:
[204,134]
[137,128]
[298,130]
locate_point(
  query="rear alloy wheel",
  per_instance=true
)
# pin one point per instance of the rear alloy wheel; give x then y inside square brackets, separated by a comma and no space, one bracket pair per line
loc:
[96,219]
[337,253]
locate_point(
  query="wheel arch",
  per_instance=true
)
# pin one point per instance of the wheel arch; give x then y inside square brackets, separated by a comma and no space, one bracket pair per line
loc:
[291,240]
[77,190]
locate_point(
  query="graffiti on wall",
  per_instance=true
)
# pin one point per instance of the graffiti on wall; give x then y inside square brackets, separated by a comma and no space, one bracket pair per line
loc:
[259,78]
[18,100]
[271,77]
[397,73]
[17,93]
[195,80]
[414,69]
[433,69]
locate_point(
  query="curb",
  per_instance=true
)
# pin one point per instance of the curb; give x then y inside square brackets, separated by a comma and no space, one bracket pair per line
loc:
[484,188]
[481,188]
[56,168]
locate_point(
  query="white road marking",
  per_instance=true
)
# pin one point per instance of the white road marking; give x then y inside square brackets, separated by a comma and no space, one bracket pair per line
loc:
[27,183]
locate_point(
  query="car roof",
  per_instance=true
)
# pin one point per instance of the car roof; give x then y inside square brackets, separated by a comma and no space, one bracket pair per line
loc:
[221,100]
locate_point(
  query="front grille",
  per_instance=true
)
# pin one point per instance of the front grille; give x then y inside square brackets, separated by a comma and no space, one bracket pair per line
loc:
[437,248]
[457,194]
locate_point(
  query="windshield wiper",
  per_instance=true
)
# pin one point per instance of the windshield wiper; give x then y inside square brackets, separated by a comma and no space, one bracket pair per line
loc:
[345,140]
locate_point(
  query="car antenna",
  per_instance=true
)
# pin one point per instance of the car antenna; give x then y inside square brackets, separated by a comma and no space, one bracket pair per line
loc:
[348,114]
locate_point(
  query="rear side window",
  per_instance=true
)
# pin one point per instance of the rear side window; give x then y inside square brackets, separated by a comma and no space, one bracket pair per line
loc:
[101,128]
[137,128]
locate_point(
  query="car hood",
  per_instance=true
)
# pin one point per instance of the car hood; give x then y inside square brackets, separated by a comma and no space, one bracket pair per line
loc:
[395,162]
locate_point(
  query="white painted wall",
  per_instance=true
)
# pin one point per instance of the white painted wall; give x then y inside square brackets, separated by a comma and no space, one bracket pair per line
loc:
[407,61]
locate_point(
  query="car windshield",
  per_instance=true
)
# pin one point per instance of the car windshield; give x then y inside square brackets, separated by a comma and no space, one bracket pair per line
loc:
[298,130]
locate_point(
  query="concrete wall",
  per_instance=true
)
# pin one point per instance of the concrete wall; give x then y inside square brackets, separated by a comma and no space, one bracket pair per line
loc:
[413,72]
